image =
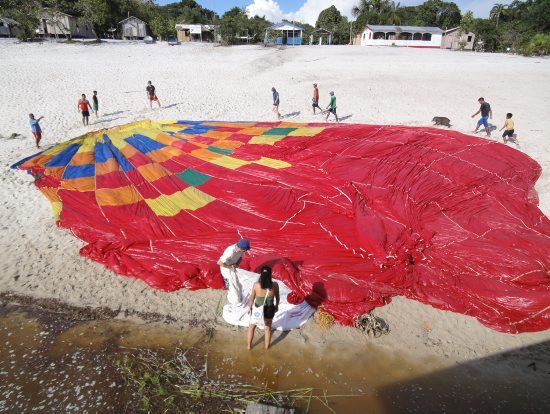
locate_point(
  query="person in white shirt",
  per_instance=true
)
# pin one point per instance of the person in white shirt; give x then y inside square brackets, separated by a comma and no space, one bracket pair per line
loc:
[229,262]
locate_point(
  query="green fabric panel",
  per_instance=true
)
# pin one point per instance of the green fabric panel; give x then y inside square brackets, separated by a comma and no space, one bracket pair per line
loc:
[193,177]
[279,131]
[219,150]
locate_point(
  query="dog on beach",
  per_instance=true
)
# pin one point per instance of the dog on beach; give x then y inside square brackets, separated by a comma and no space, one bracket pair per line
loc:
[441,120]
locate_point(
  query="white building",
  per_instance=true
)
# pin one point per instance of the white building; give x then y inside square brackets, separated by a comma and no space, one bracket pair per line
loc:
[56,23]
[133,28]
[408,36]
[455,39]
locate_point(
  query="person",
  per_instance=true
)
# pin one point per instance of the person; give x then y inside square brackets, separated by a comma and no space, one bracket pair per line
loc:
[315,99]
[84,107]
[265,292]
[486,113]
[95,102]
[36,130]
[509,129]
[228,262]
[151,94]
[276,103]
[332,106]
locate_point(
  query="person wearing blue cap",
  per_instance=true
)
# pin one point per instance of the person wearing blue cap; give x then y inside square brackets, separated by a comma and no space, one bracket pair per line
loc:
[229,262]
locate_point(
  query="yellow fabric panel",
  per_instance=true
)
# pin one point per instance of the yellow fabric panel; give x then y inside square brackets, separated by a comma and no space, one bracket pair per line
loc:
[189,199]
[253,130]
[117,196]
[174,127]
[230,145]
[79,184]
[216,134]
[56,209]
[266,139]
[291,125]
[229,124]
[205,154]
[152,172]
[50,193]
[272,163]
[229,162]
[306,132]
[106,167]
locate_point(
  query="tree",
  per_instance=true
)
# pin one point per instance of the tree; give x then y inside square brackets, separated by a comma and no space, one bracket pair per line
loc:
[26,13]
[232,23]
[393,14]
[331,19]
[496,11]
[438,13]
[94,12]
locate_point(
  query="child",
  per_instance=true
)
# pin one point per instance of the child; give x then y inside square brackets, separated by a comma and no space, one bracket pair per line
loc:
[36,130]
[332,106]
[95,103]
[84,106]
[151,94]
[509,132]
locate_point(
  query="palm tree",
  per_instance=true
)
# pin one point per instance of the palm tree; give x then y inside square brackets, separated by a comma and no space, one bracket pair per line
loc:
[393,14]
[496,11]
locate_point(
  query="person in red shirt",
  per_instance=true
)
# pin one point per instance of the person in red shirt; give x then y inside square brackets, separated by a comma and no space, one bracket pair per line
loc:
[151,94]
[84,107]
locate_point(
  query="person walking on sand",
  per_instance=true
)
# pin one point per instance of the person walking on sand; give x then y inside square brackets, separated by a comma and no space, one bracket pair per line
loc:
[276,102]
[95,103]
[509,129]
[36,130]
[332,107]
[84,107]
[263,303]
[486,113]
[315,99]
[151,94]
[228,262]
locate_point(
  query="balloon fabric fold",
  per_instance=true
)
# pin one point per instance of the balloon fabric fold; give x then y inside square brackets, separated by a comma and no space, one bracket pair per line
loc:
[347,215]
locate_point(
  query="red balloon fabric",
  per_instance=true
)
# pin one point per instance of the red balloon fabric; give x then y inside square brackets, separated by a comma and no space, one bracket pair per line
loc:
[347,215]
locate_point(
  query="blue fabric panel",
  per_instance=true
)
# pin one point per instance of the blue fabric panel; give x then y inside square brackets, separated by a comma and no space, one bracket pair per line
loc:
[78,171]
[199,129]
[64,157]
[122,161]
[101,151]
[143,143]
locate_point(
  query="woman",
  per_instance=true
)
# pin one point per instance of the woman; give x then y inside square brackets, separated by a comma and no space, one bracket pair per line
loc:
[264,293]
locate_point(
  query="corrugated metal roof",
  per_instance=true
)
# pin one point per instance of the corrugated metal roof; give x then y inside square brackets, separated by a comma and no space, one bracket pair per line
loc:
[131,17]
[9,21]
[413,29]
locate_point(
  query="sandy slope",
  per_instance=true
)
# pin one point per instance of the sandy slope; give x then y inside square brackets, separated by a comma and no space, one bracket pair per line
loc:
[373,85]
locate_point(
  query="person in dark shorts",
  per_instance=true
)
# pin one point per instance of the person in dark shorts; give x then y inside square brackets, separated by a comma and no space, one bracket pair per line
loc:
[265,292]
[486,113]
[95,103]
[276,102]
[508,127]
[315,99]
[84,107]
[332,106]
[36,130]
[151,94]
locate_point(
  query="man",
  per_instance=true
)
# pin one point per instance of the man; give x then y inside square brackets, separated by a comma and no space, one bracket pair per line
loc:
[84,107]
[486,113]
[332,106]
[228,262]
[276,103]
[36,130]
[315,99]
[151,94]
[95,101]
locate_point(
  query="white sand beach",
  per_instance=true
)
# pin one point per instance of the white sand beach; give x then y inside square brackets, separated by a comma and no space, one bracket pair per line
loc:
[373,85]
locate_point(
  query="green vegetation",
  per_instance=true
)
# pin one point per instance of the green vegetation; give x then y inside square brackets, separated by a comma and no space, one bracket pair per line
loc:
[173,385]
[522,26]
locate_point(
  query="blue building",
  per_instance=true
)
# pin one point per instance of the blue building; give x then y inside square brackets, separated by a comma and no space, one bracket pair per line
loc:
[284,33]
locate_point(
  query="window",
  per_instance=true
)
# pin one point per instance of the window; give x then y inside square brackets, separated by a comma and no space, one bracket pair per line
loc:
[469,38]
[417,36]
[1,24]
[363,36]
[427,37]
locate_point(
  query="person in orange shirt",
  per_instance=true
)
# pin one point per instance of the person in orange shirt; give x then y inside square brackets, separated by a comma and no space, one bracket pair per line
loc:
[315,99]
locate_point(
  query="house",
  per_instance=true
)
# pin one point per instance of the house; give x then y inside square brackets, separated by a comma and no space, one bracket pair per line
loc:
[454,39]
[319,34]
[133,28]
[56,23]
[8,27]
[284,33]
[198,33]
[409,36]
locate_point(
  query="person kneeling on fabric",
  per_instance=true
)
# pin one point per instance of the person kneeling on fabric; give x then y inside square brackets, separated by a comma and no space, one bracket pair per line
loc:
[229,261]
[263,303]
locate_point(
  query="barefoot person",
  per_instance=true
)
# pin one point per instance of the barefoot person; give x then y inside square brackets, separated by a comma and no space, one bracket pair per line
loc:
[152,95]
[332,106]
[509,129]
[276,103]
[263,303]
[84,107]
[229,262]
[95,103]
[486,113]
[36,130]
[315,99]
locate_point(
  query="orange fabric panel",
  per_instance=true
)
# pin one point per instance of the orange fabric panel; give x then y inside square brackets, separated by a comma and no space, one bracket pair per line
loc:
[79,184]
[106,167]
[152,172]
[117,196]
